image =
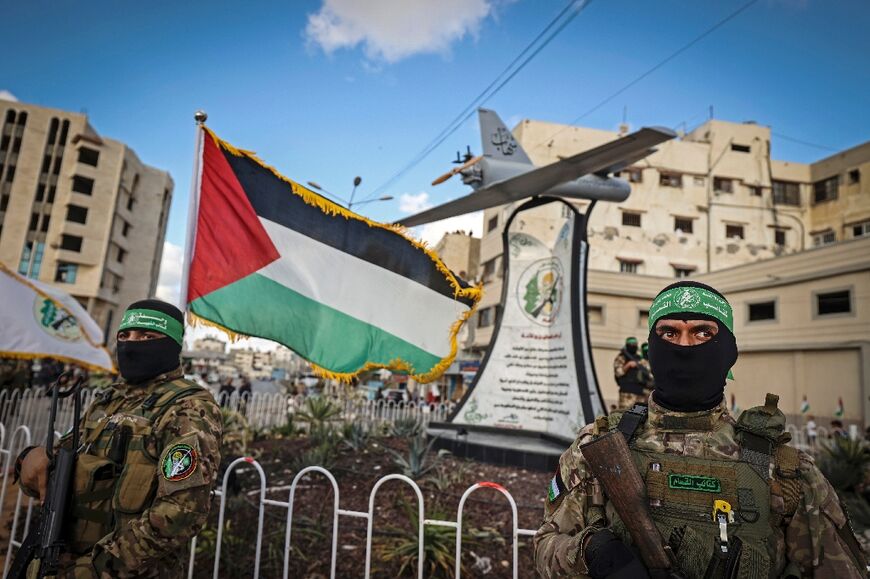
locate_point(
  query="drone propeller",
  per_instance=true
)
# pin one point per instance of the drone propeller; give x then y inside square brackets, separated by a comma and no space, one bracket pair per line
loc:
[468,163]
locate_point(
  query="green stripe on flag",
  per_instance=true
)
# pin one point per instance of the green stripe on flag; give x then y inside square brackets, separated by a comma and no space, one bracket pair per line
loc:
[257,306]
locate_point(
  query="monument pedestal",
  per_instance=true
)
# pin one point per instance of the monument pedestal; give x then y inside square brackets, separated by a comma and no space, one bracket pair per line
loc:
[499,446]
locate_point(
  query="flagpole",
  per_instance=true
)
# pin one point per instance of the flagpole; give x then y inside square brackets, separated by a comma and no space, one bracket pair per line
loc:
[200,117]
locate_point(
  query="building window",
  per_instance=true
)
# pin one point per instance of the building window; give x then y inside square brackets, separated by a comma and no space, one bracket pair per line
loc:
[755,190]
[854,176]
[31,259]
[631,219]
[786,193]
[826,189]
[643,318]
[635,175]
[861,229]
[34,221]
[122,253]
[46,219]
[838,302]
[722,185]
[89,156]
[740,148]
[733,231]
[82,185]
[51,192]
[824,238]
[595,314]
[762,311]
[66,272]
[683,271]
[125,229]
[492,224]
[130,201]
[670,180]
[76,213]
[629,265]
[40,192]
[488,269]
[779,236]
[683,224]
[71,242]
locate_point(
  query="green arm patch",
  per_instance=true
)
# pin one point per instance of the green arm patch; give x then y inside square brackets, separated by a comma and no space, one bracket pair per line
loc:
[179,462]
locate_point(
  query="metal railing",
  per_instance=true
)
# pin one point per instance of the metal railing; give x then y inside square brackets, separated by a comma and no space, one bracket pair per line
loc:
[24,506]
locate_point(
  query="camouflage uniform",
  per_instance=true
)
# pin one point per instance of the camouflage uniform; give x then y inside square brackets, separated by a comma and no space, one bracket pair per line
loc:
[629,399]
[811,536]
[138,521]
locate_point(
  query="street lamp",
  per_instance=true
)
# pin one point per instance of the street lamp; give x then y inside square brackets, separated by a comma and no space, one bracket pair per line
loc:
[356,182]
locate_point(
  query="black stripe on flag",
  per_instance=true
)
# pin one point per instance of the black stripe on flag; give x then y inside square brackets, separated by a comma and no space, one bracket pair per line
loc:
[273,199]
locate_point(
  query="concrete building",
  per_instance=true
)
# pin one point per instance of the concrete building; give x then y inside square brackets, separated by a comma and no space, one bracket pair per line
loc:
[802,324]
[79,210]
[460,251]
[210,344]
[713,206]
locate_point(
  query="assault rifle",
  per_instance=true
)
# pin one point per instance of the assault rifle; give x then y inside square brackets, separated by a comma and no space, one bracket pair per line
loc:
[45,541]
[610,461]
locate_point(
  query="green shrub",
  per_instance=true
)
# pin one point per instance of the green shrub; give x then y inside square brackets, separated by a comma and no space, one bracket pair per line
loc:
[415,463]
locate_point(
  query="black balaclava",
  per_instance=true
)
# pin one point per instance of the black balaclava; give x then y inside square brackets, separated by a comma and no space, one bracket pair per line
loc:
[141,361]
[691,378]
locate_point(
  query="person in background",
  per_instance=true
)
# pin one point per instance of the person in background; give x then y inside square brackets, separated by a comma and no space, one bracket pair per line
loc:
[812,431]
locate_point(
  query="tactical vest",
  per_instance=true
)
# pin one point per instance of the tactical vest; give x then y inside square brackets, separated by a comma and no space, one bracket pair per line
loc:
[116,468]
[716,514]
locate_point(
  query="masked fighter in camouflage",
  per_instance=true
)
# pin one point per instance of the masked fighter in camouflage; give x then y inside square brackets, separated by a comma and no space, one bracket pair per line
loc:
[148,460]
[730,498]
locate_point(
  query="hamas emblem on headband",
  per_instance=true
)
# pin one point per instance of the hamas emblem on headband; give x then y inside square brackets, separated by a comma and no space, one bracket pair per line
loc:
[179,463]
[688,298]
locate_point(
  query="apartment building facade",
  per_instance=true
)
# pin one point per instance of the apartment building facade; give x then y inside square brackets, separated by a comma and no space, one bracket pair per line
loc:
[710,200]
[78,210]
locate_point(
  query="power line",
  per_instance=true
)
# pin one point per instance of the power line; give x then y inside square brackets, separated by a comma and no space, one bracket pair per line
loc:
[505,76]
[657,66]
[800,142]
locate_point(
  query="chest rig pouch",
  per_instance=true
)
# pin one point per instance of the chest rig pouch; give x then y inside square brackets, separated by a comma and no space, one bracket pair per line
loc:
[716,514]
[116,469]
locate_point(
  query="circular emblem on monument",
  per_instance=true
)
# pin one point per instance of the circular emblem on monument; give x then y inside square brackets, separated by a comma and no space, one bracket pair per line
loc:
[55,321]
[688,298]
[539,291]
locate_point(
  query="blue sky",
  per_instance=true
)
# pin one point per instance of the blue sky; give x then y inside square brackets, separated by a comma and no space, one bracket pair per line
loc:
[327,90]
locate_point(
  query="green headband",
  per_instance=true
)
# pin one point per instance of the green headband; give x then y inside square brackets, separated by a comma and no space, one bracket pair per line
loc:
[154,321]
[631,340]
[691,299]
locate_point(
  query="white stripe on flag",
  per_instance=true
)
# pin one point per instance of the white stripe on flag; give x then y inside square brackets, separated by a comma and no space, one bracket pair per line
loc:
[369,293]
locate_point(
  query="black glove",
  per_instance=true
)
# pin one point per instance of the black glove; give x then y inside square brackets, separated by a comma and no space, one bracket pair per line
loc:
[609,558]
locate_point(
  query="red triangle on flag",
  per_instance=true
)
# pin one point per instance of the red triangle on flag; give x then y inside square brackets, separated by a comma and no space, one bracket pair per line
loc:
[230,240]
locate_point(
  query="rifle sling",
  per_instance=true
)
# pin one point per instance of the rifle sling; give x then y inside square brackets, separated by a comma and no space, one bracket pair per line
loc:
[631,420]
[94,515]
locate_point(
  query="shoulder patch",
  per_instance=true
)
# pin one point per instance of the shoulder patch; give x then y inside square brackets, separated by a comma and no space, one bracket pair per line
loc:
[556,488]
[179,462]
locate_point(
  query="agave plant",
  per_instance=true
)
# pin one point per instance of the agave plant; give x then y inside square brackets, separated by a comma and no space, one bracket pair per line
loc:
[406,428]
[355,435]
[413,464]
[318,412]
[439,544]
[844,462]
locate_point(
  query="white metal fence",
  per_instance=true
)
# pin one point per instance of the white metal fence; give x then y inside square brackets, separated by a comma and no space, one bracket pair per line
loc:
[23,507]
[262,410]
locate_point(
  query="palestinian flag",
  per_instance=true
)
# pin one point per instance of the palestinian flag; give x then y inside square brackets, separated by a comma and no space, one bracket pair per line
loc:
[839,410]
[272,259]
[735,409]
[805,405]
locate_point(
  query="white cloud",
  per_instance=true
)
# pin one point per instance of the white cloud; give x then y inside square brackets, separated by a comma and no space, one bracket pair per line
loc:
[5,95]
[432,233]
[414,203]
[171,268]
[390,30]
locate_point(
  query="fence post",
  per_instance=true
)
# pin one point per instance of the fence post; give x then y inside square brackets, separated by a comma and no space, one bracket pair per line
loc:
[335,507]
[371,517]
[16,512]
[514,531]
[220,533]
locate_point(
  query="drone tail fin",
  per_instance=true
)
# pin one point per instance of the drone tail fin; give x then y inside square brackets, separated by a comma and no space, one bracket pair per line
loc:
[498,141]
